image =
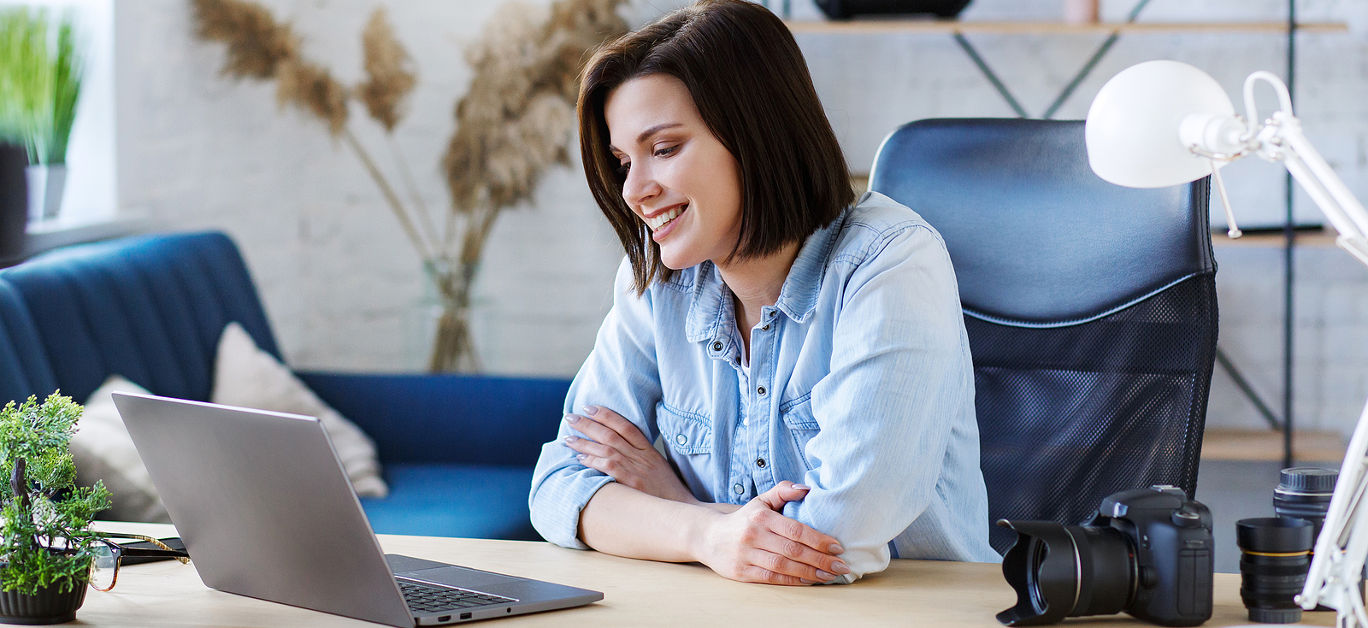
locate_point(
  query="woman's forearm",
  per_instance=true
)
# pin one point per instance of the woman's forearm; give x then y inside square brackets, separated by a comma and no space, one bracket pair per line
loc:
[626,522]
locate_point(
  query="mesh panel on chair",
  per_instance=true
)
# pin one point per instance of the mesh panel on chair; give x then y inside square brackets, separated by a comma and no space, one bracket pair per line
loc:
[1062,409]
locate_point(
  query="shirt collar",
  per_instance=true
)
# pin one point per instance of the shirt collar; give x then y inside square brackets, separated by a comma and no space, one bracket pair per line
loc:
[711,304]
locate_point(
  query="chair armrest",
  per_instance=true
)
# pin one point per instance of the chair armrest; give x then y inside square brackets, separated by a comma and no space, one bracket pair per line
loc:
[471,419]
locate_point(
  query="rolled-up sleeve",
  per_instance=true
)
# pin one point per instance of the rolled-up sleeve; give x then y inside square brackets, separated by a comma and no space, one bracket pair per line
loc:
[620,374]
[899,392]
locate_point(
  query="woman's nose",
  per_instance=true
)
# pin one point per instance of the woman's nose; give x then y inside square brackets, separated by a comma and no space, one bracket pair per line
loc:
[639,186]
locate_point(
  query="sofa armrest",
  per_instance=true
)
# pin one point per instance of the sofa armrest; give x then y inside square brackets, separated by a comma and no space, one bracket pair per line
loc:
[470,419]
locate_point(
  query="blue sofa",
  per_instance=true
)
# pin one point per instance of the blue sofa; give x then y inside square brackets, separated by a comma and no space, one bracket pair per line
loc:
[457,450]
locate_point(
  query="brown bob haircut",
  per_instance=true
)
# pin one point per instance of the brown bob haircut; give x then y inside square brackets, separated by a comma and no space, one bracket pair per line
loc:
[752,88]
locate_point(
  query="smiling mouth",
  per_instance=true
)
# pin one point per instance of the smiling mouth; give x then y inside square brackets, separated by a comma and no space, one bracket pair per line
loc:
[660,220]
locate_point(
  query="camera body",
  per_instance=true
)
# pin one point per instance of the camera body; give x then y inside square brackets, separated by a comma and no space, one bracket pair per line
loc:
[1173,552]
[1147,552]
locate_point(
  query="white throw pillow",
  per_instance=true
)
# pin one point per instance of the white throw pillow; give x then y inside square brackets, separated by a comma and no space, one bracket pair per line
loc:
[246,376]
[103,450]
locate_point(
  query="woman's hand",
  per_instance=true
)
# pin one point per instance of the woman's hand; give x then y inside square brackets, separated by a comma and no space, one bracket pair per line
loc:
[758,544]
[615,446]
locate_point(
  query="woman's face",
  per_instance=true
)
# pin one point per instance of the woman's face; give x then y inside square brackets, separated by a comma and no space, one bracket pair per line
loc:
[679,179]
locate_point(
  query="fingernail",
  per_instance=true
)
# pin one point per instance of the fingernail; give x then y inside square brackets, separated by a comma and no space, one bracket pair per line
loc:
[825,576]
[571,439]
[836,549]
[802,487]
[840,567]
[580,457]
[591,410]
[806,581]
[571,418]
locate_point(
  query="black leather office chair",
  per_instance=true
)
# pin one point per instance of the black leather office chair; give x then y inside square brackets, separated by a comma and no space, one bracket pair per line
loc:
[1091,310]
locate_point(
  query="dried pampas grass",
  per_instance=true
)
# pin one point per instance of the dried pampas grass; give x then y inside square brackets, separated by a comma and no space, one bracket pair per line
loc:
[389,77]
[516,120]
[256,42]
[310,87]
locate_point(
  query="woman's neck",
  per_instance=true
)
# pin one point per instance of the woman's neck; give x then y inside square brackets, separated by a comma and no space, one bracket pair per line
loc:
[757,282]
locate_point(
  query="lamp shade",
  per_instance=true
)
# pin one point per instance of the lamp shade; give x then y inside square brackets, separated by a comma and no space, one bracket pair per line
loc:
[1132,129]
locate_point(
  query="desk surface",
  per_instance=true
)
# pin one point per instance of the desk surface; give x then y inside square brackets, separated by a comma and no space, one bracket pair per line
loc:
[636,593]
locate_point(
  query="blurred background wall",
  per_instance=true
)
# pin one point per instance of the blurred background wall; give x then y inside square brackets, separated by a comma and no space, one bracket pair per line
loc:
[344,289]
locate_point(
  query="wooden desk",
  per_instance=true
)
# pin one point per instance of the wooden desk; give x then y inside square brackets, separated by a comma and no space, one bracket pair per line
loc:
[636,593]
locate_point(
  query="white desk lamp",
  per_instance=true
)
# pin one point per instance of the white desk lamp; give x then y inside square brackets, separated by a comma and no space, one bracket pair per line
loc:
[1163,123]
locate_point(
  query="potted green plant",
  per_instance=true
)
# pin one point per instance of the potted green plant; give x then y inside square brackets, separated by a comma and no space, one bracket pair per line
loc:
[45,538]
[40,84]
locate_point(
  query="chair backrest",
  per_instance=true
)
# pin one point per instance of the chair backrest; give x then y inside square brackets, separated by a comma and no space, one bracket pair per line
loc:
[1091,310]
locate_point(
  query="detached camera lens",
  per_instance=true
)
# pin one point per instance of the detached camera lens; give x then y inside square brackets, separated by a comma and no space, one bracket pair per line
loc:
[1274,556]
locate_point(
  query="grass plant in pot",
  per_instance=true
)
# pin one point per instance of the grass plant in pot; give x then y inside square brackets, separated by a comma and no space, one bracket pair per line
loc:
[45,538]
[40,84]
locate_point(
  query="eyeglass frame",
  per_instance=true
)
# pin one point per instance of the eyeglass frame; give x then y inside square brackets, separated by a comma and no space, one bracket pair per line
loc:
[120,551]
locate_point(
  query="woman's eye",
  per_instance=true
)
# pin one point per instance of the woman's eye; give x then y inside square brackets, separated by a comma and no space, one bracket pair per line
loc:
[667,151]
[623,168]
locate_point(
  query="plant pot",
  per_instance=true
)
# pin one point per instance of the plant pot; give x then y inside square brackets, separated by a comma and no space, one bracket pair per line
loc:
[49,606]
[46,184]
[13,200]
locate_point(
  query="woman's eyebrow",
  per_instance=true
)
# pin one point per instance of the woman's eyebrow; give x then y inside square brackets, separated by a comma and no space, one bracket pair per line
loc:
[648,133]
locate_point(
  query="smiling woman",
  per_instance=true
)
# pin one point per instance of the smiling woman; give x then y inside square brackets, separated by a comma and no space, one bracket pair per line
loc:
[799,357]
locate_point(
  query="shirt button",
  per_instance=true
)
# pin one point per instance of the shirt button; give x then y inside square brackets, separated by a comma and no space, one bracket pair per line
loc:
[771,313]
[717,346]
[738,489]
[681,439]
[765,328]
[760,390]
[760,462]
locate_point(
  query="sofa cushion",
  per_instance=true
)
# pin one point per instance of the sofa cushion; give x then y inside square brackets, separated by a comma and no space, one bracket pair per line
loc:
[103,450]
[248,377]
[473,501]
[150,308]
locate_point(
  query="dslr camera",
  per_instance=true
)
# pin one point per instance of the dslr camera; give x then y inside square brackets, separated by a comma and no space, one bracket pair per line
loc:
[1146,552]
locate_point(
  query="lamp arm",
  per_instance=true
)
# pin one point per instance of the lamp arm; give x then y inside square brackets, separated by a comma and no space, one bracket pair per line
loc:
[1342,547]
[1346,214]
[1279,87]
[1343,542]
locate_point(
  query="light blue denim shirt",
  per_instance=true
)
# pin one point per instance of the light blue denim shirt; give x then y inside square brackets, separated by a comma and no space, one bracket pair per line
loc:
[860,386]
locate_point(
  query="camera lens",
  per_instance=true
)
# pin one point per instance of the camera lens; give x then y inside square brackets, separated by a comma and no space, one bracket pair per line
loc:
[1274,557]
[1066,571]
[1304,493]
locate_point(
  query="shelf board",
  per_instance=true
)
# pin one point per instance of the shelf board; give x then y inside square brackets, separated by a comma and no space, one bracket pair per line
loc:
[949,27]
[1267,445]
[1320,237]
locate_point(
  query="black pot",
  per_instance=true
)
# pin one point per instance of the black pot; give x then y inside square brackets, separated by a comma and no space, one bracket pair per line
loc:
[13,201]
[50,606]
[842,9]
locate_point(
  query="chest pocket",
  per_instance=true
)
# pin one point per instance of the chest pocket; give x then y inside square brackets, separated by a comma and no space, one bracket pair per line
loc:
[801,425]
[688,433]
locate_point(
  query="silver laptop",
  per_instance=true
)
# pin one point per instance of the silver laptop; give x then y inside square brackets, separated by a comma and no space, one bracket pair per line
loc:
[266,510]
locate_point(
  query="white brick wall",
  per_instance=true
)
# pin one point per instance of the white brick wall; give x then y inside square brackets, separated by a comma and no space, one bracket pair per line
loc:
[344,290]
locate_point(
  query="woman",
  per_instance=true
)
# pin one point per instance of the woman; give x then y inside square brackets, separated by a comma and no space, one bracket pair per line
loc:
[803,362]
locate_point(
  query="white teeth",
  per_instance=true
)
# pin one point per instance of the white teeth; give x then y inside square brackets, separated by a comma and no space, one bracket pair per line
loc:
[659,221]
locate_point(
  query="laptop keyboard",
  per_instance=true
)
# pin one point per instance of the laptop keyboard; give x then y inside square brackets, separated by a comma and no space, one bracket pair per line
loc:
[428,598]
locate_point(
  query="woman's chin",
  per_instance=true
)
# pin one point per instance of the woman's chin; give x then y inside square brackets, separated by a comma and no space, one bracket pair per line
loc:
[677,262]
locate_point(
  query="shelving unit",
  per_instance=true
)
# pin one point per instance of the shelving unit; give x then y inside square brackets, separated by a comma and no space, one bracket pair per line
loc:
[959,30]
